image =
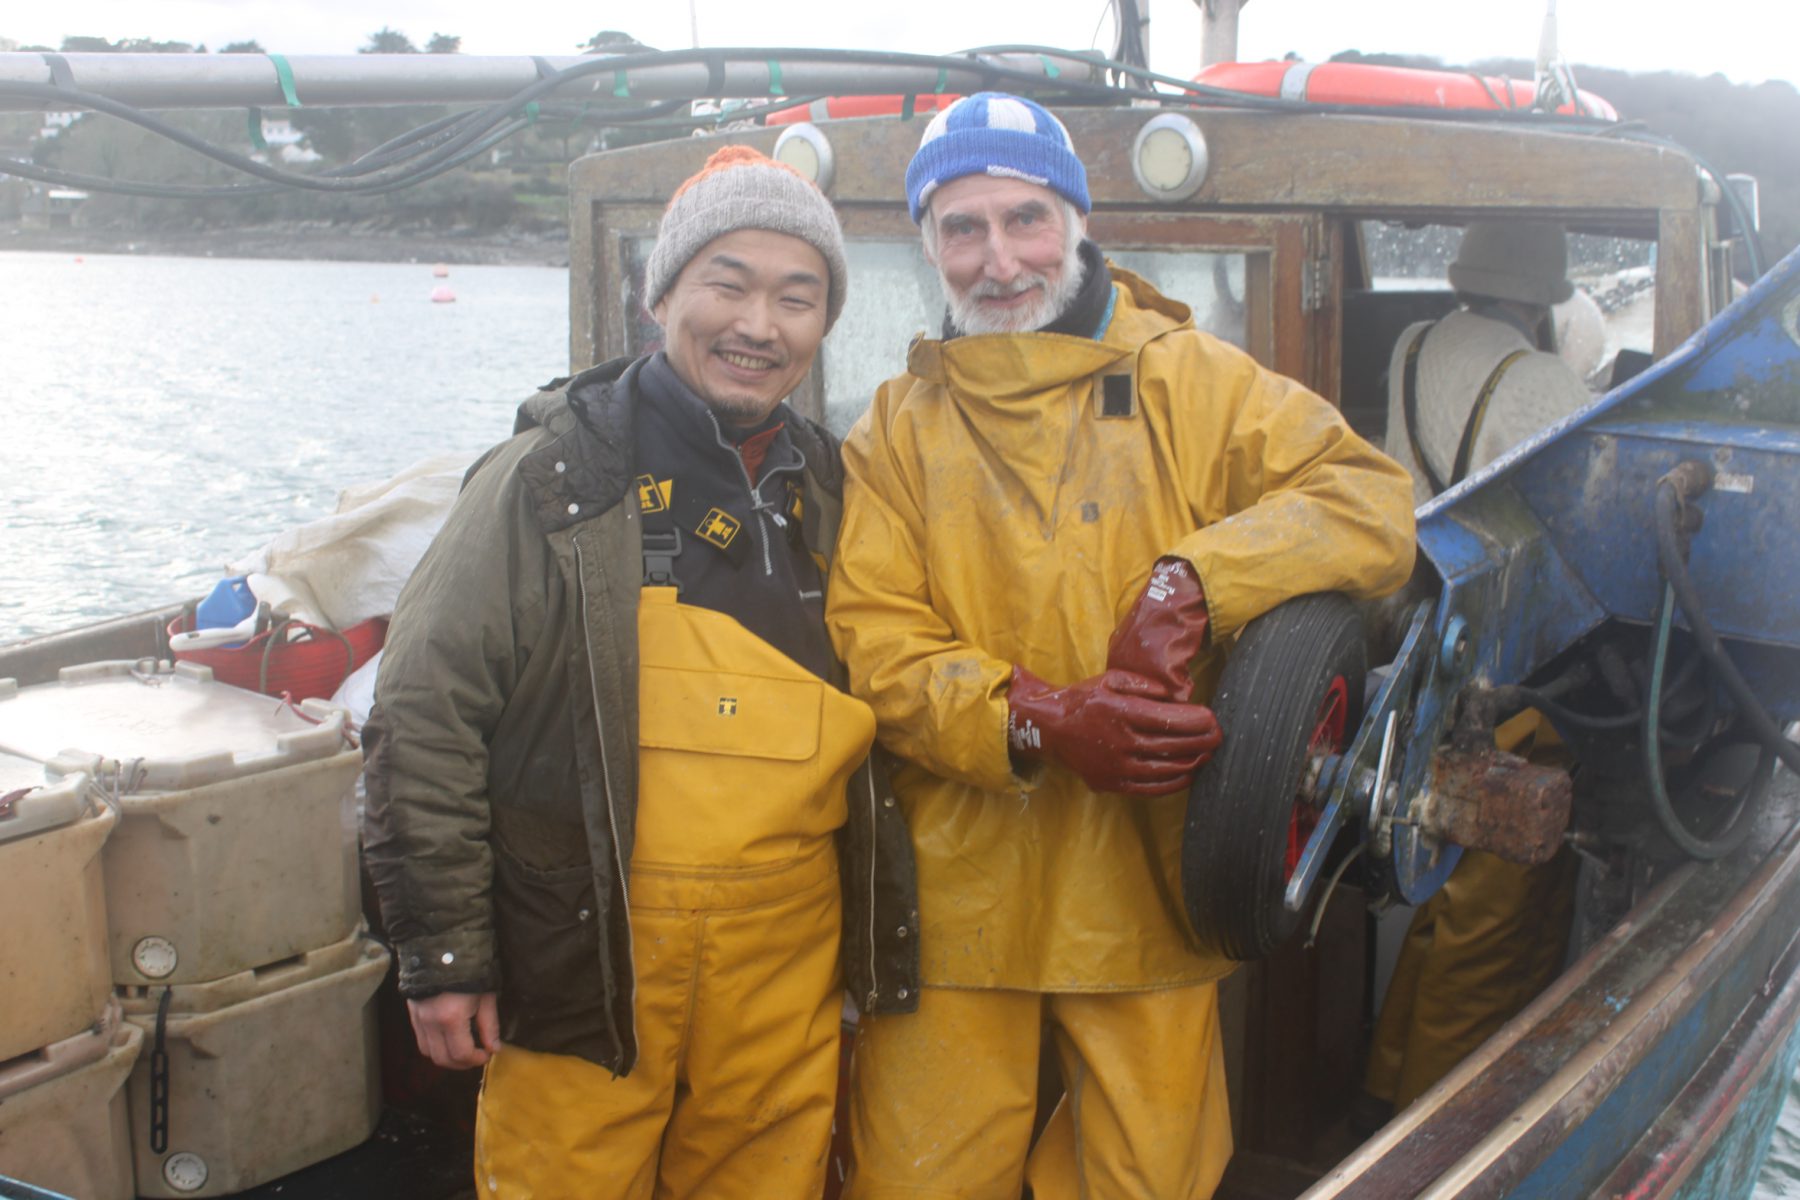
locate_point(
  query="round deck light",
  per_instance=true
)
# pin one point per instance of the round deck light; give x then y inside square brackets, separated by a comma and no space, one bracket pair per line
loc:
[1169,157]
[808,151]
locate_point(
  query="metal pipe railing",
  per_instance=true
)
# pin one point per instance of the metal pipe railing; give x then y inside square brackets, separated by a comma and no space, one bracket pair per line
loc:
[164,81]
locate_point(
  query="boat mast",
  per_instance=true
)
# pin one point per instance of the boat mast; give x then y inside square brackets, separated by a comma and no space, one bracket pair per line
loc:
[1218,30]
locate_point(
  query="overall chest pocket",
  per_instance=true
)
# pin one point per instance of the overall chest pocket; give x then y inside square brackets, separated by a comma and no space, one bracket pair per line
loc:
[723,713]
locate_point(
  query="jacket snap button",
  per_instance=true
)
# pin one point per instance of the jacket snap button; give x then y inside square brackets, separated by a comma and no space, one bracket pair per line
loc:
[573,509]
[887,802]
[583,915]
[561,467]
[901,931]
[448,958]
[903,993]
[413,961]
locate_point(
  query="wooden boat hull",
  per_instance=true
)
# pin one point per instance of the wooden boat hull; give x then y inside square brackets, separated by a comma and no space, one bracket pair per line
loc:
[1654,1067]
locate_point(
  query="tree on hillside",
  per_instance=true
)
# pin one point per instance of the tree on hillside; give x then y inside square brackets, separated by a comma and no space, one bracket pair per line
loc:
[250,47]
[100,45]
[389,41]
[152,46]
[444,43]
[613,41]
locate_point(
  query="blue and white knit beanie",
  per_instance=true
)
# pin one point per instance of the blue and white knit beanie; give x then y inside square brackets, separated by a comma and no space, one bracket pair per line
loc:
[992,133]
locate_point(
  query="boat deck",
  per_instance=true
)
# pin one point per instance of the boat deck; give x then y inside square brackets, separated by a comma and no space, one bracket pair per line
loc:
[409,1155]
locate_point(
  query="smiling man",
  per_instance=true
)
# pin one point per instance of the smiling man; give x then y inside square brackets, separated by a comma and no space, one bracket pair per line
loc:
[607,762]
[1054,521]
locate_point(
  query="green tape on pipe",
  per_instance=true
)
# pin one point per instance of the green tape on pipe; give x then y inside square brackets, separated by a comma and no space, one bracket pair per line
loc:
[285,74]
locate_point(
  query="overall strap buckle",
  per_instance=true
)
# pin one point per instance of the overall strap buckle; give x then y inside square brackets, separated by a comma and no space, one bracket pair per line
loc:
[661,546]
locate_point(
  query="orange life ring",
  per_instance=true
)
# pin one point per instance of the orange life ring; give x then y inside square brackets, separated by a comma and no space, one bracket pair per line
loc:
[835,108]
[1364,83]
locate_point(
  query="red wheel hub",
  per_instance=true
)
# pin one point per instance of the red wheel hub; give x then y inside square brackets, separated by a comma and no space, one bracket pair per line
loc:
[1327,736]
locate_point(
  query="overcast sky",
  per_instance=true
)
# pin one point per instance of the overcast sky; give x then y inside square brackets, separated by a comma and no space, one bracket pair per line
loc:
[1747,40]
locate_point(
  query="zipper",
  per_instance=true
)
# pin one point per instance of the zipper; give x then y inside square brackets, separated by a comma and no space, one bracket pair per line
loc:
[606,779]
[762,523]
[757,504]
[874,850]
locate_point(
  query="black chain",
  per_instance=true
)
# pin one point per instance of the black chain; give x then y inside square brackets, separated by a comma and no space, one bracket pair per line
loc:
[159,1078]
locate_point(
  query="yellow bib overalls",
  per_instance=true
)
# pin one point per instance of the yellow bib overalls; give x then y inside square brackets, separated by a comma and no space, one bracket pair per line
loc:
[735,913]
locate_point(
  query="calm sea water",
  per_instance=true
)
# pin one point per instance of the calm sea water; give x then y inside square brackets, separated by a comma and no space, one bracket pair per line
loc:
[161,416]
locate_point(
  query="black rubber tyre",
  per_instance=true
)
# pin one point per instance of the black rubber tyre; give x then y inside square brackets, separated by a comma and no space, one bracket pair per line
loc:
[1295,676]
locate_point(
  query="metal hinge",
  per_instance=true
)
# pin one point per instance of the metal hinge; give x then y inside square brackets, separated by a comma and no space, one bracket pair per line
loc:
[1315,284]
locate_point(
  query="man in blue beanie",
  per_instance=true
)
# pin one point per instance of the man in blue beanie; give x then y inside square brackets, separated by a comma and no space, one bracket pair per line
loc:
[1053,520]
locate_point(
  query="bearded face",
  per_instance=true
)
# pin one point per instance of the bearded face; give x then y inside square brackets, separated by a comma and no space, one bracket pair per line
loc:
[1007,253]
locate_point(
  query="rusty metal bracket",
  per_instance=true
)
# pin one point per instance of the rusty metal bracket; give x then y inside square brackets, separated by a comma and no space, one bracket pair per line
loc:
[1487,799]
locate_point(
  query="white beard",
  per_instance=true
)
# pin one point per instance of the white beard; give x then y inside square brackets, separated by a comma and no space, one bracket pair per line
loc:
[971,316]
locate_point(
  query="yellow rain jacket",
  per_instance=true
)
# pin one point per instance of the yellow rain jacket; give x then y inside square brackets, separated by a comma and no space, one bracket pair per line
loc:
[1005,500]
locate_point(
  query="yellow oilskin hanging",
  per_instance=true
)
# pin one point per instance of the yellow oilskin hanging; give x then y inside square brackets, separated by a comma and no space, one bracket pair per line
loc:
[735,915]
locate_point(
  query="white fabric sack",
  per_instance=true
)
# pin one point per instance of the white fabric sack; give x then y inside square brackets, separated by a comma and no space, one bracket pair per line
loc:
[350,566]
[357,692]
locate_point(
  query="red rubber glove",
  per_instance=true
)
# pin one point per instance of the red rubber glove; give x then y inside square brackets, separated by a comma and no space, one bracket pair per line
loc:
[1117,741]
[1161,636]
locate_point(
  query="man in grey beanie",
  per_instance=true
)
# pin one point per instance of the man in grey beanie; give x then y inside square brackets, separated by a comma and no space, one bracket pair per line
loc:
[607,764]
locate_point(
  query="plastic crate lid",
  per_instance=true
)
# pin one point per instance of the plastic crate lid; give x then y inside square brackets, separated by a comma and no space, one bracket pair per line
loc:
[50,802]
[173,724]
[65,1057]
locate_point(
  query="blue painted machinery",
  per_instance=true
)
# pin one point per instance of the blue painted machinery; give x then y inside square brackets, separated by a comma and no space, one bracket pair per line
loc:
[1632,573]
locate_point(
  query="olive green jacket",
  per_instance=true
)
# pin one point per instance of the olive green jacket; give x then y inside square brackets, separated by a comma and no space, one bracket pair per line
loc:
[501,754]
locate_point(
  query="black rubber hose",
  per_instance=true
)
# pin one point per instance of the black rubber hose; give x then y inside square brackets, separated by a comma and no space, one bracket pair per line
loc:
[1521,696]
[1673,563]
[468,133]
[1750,797]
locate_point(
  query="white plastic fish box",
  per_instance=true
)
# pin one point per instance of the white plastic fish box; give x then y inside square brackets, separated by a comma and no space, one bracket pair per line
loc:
[54,976]
[236,844]
[63,1122]
[267,1071]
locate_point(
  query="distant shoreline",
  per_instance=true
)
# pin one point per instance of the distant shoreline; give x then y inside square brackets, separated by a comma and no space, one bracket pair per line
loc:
[300,242]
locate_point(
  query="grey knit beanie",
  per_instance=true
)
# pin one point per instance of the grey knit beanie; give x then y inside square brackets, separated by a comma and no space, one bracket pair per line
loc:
[739,188]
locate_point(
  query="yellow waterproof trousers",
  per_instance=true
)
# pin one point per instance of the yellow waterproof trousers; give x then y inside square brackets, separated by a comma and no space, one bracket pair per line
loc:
[735,918]
[942,1100]
[1476,953]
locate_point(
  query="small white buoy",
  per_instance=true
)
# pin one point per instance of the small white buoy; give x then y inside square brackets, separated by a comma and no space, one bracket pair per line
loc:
[440,271]
[443,295]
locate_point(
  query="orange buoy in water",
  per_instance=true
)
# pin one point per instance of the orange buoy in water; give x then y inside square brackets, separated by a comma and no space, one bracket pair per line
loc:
[443,295]
[375,298]
[440,271]
[80,259]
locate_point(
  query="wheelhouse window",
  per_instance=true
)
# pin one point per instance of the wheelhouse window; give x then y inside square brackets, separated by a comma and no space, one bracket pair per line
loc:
[1617,275]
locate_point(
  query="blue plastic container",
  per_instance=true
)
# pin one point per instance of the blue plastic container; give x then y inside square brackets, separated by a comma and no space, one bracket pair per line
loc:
[228,604]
